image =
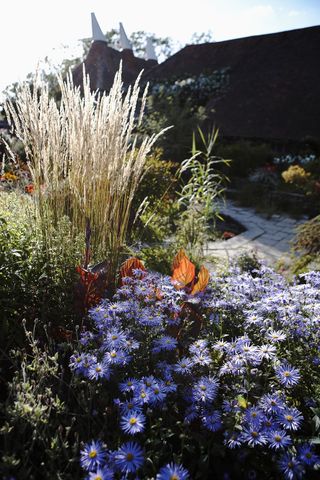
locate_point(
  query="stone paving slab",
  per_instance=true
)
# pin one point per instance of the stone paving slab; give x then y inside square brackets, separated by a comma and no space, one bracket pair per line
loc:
[269,238]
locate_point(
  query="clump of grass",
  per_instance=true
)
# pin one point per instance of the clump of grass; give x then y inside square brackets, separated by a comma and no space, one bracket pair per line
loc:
[84,158]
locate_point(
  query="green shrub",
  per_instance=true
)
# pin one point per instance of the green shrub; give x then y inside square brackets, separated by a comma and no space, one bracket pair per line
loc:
[308,236]
[156,193]
[248,262]
[34,282]
[245,156]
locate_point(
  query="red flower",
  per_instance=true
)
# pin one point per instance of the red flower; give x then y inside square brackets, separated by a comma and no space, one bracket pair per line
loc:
[29,188]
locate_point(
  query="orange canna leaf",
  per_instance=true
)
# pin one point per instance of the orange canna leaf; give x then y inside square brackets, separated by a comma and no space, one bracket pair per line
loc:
[203,280]
[177,259]
[129,265]
[183,274]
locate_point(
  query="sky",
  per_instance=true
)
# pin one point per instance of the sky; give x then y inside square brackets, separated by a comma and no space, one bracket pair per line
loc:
[31,30]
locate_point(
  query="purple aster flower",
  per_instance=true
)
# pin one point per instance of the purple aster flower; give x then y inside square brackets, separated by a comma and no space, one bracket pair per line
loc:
[278,439]
[76,362]
[198,345]
[192,413]
[205,389]
[115,339]
[287,375]
[117,357]
[130,406]
[169,385]
[269,423]
[212,421]
[290,418]
[290,467]
[307,456]
[133,422]
[165,343]
[92,455]
[202,358]
[99,370]
[272,403]
[129,457]
[173,471]
[232,440]
[128,385]
[253,436]
[105,473]
[157,394]
[254,416]
[183,366]
[276,336]
[149,382]
[141,395]
[268,352]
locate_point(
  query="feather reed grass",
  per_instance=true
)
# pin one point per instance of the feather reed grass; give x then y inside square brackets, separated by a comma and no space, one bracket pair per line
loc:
[84,157]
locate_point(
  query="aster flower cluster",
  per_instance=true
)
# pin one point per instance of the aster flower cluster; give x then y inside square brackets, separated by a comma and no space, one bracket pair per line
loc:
[236,366]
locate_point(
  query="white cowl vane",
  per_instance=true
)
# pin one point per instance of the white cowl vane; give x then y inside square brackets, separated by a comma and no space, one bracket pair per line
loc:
[124,41]
[97,33]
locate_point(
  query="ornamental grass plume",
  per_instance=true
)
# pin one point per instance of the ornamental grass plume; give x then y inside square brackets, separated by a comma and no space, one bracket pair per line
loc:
[84,157]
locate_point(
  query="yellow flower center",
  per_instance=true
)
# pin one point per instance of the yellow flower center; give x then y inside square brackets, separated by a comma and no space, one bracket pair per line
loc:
[174,477]
[277,438]
[129,457]
[156,391]
[287,374]
[203,388]
[129,384]
[98,477]
[254,434]
[78,360]
[289,418]
[114,337]
[93,454]
[113,354]
[133,421]
[143,395]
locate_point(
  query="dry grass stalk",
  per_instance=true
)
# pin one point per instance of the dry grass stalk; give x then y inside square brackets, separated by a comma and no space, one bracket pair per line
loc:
[84,157]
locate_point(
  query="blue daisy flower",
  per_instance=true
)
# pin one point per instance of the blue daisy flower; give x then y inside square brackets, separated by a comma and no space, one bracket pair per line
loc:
[287,375]
[278,439]
[129,457]
[212,421]
[183,366]
[99,370]
[290,418]
[165,343]
[290,467]
[307,456]
[253,436]
[205,389]
[173,471]
[92,455]
[105,473]
[133,422]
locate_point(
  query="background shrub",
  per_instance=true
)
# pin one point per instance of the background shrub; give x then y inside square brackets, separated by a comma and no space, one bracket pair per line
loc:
[246,156]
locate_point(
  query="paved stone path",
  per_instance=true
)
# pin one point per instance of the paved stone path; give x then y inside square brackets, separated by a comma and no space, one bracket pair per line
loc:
[269,238]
